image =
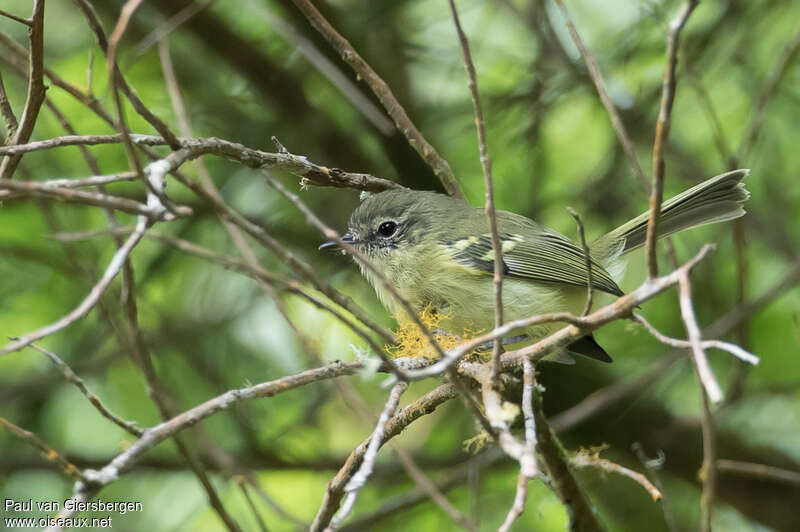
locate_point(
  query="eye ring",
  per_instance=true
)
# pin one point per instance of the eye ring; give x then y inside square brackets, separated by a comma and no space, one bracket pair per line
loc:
[387,229]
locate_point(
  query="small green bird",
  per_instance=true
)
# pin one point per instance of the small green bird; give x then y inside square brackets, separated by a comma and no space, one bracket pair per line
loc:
[437,251]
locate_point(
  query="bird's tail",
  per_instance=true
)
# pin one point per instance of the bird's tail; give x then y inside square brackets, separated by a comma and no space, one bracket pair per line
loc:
[715,200]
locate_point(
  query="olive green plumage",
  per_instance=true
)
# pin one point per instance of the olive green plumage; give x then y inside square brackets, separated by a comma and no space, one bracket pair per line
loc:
[436,250]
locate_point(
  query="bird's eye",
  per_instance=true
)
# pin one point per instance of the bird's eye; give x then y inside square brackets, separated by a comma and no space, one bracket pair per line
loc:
[387,229]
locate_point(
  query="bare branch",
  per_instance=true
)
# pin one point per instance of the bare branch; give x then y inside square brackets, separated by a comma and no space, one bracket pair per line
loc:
[335,491]
[358,480]
[70,375]
[708,471]
[605,397]
[51,454]
[758,471]
[7,112]
[295,164]
[71,195]
[27,22]
[733,349]
[384,94]
[586,459]
[36,89]
[91,299]
[562,482]
[662,132]
[587,258]
[710,383]
[94,24]
[529,458]
[486,166]
[597,78]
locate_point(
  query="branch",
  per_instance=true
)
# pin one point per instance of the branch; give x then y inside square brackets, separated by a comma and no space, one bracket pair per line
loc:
[528,469]
[70,375]
[597,78]
[123,462]
[486,166]
[51,454]
[52,189]
[622,307]
[90,300]
[116,76]
[733,349]
[704,372]
[662,132]
[358,480]
[761,471]
[27,22]
[587,256]
[708,471]
[586,459]
[379,87]
[562,482]
[335,491]
[36,88]
[7,112]
[296,164]
[605,397]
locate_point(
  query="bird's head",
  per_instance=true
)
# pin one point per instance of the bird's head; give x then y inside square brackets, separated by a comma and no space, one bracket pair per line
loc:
[389,226]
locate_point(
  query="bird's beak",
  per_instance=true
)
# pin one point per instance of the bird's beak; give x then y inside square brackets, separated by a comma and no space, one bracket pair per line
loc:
[348,238]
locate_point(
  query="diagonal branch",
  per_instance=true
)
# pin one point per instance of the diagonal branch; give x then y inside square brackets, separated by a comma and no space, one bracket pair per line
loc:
[379,87]
[486,166]
[36,89]
[662,132]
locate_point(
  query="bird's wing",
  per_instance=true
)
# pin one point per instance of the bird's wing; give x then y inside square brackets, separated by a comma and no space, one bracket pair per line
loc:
[544,256]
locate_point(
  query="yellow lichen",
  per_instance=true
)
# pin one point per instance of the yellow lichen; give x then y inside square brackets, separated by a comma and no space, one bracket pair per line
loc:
[412,342]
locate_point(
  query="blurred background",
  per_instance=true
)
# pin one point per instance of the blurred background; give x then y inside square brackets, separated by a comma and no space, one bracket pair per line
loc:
[250,69]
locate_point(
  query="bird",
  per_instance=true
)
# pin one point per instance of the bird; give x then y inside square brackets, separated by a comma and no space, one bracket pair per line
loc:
[436,251]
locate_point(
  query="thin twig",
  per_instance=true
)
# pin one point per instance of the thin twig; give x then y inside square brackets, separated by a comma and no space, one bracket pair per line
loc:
[358,480]
[562,482]
[613,114]
[587,459]
[83,197]
[49,453]
[8,113]
[733,349]
[36,89]
[123,462]
[653,465]
[94,24]
[610,395]
[761,471]
[299,165]
[27,22]
[335,490]
[379,87]
[662,132]
[242,483]
[90,300]
[704,372]
[70,375]
[518,506]
[488,183]
[587,258]
[708,471]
